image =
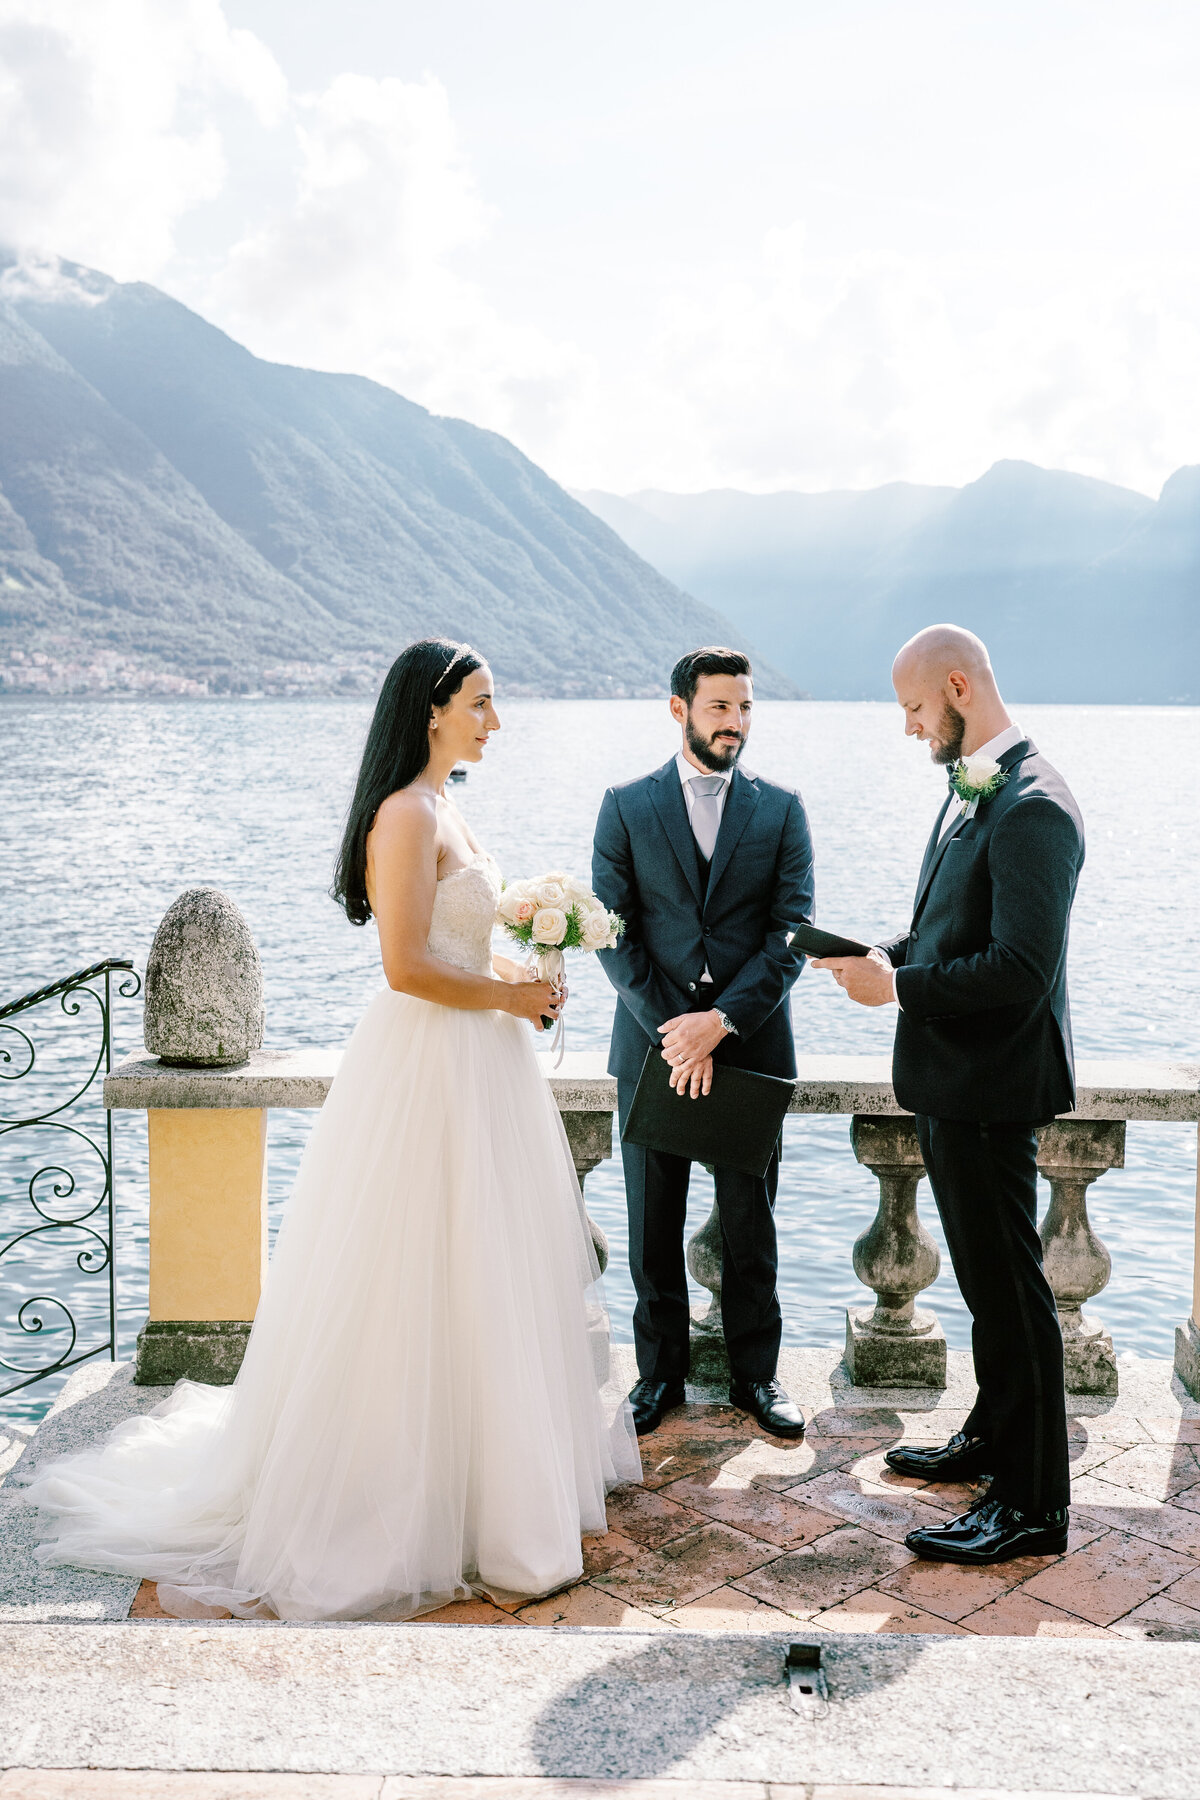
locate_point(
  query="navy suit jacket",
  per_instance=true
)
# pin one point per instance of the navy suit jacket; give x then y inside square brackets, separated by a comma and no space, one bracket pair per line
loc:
[737,922]
[985,1027]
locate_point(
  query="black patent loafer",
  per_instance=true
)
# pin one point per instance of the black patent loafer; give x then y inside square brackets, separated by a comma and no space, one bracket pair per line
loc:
[993,1533]
[767,1402]
[650,1400]
[962,1459]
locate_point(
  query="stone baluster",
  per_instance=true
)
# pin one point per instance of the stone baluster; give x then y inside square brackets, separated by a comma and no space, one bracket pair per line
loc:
[1072,1153]
[1187,1336]
[590,1136]
[709,1357]
[892,1344]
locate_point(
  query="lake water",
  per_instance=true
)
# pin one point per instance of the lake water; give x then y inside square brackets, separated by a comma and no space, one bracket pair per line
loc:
[108,810]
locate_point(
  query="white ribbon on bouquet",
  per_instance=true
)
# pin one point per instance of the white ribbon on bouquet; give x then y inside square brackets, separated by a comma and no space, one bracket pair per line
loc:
[550,965]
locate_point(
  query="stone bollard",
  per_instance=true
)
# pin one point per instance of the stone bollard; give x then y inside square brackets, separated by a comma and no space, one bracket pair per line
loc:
[709,1357]
[1072,1153]
[204,984]
[892,1344]
[590,1136]
[208,1165]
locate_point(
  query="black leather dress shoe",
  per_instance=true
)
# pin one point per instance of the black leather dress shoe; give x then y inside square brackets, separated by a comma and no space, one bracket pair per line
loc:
[767,1402]
[960,1460]
[991,1532]
[650,1400]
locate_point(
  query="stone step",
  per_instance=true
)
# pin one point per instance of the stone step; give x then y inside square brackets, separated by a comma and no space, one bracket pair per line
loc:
[166,1784]
[1001,1716]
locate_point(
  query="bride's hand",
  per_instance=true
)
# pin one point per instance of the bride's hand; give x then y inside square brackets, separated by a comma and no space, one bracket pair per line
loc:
[532,1000]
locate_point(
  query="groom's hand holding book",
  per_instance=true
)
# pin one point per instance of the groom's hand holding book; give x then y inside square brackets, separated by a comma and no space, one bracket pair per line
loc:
[869,979]
[862,972]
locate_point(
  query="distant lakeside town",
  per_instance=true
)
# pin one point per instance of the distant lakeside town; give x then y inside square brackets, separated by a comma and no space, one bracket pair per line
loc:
[111,675]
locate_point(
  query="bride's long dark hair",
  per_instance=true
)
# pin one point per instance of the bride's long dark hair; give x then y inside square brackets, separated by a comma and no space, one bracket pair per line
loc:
[428,674]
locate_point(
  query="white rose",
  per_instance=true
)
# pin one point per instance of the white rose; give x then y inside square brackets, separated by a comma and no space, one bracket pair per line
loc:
[549,925]
[596,930]
[548,893]
[580,893]
[557,875]
[979,770]
[512,901]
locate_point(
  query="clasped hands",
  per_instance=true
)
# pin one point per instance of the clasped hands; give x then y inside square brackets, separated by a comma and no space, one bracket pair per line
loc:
[688,1042]
[867,979]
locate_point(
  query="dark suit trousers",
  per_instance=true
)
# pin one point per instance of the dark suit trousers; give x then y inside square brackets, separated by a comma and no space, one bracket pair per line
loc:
[984,1180]
[656,1188]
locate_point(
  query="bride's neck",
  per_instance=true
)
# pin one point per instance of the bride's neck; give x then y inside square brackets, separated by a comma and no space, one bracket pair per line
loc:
[436,772]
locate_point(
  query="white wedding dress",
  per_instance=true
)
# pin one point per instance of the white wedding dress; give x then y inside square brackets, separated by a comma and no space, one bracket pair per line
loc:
[424,1410]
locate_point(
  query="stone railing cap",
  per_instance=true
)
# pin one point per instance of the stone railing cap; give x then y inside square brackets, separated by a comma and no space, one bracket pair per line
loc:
[1116,1089]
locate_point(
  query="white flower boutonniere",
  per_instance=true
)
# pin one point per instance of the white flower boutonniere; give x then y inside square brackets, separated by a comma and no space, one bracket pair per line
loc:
[976,779]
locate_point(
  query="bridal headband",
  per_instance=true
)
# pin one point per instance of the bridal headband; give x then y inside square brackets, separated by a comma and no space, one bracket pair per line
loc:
[462,651]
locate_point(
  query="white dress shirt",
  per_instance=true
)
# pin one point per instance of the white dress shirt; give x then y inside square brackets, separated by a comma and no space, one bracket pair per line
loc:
[995,748]
[686,771]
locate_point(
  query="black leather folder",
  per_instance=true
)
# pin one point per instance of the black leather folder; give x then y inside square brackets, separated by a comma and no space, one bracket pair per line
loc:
[827,943]
[736,1125]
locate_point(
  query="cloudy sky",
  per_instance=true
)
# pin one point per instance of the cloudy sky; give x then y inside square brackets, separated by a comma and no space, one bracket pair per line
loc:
[669,243]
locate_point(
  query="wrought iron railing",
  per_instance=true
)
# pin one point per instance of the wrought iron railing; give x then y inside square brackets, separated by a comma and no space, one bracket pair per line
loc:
[71,1195]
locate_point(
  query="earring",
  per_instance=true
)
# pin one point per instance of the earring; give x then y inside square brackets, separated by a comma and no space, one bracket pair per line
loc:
[433,724]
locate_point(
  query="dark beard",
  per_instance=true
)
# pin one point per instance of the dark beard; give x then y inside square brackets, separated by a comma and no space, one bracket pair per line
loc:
[951,731]
[717,757]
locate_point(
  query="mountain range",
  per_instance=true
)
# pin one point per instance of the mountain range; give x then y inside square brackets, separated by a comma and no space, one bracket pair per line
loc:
[178,515]
[1083,591]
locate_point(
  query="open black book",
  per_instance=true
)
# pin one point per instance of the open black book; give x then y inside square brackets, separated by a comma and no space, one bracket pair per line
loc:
[827,943]
[737,1124]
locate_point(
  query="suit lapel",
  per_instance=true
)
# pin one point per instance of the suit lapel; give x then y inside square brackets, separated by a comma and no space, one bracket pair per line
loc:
[667,794]
[934,855]
[739,806]
[937,846]
[935,838]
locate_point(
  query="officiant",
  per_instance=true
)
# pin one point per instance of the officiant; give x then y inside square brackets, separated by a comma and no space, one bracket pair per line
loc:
[711,868]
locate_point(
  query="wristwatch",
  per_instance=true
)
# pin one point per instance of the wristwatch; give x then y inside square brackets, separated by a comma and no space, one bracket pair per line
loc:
[726,1021]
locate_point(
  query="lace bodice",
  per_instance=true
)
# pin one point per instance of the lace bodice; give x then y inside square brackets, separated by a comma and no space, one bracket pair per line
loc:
[464,911]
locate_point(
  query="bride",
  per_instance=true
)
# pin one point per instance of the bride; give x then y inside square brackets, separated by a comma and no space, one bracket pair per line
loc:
[424,1411]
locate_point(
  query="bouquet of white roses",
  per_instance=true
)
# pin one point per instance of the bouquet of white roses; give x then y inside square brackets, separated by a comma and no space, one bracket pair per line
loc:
[553,913]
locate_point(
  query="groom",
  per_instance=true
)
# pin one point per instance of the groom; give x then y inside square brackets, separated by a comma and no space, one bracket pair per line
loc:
[982,1057]
[711,869]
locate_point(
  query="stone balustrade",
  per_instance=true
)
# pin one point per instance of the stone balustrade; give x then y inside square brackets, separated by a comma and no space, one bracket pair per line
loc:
[208,1205]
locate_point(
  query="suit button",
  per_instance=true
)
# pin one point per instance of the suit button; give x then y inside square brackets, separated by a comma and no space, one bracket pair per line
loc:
[691,987]
[914,935]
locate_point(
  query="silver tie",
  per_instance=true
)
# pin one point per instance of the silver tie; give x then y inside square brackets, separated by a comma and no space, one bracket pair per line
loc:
[706,813]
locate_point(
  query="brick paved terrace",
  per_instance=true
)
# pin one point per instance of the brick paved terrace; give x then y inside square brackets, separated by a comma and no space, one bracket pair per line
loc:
[735,1531]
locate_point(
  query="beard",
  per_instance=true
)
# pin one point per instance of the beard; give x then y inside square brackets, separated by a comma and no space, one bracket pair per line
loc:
[951,731]
[714,756]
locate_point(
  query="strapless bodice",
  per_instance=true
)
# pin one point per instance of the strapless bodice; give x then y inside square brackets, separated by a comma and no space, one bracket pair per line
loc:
[464,913]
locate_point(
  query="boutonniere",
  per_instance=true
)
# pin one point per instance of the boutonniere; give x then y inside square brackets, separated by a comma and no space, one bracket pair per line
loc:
[976,779]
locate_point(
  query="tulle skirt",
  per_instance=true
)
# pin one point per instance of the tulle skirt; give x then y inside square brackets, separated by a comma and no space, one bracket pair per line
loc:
[425,1409]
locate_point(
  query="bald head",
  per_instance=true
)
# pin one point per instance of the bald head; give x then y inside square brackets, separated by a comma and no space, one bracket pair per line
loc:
[940,649]
[943,679]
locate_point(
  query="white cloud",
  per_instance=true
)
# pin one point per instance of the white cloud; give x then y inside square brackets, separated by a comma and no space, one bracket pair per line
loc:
[346,228]
[106,136]
[363,267]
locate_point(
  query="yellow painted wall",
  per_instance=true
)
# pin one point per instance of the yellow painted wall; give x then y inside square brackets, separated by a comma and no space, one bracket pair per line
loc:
[208,1212]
